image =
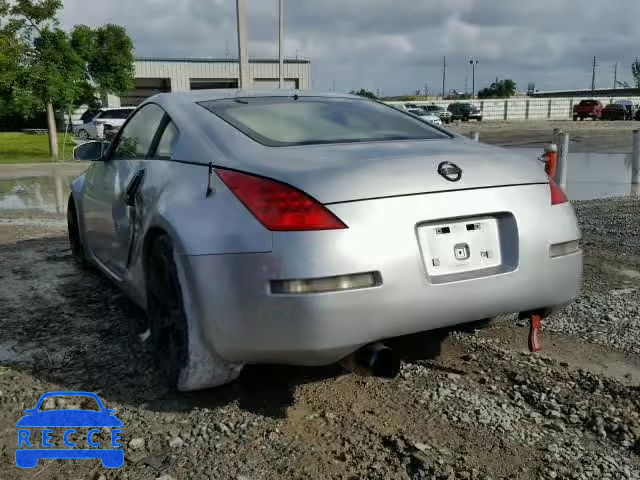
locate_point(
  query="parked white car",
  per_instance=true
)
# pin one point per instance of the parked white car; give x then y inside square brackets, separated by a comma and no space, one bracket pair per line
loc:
[426,116]
[94,127]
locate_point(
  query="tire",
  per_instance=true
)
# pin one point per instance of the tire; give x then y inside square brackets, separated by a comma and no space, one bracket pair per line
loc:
[83,134]
[183,359]
[479,119]
[465,119]
[575,117]
[73,231]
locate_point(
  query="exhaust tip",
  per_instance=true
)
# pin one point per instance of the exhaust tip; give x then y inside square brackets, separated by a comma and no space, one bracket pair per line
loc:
[385,364]
[376,360]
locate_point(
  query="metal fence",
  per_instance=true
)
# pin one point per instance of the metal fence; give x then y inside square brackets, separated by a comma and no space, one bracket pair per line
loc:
[525,108]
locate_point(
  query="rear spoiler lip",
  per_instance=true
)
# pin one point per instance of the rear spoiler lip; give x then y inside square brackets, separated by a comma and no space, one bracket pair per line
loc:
[449,190]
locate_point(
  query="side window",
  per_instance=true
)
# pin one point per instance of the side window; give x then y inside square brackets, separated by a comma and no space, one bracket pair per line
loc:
[89,115]
[137,135]
[167,141]
[107,115]
[122,114]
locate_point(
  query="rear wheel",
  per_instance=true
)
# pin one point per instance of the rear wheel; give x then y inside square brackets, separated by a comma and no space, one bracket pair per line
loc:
[175,349]
[168,323]
[575,117]
[77,249]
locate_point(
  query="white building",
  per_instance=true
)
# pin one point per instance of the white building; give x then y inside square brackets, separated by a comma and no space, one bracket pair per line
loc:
[157,75]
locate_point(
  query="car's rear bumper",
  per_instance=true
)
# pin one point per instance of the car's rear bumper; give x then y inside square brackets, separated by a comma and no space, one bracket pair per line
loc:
[243,321]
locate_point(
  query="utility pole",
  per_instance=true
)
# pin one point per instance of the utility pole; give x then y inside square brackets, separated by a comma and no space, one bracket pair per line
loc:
[593,75]
[281,44]
[473,63]
[444,74]
[244,76]
[426,89]
[615,75]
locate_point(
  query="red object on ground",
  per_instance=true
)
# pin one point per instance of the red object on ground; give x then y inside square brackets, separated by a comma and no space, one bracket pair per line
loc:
[551,163]
[535,325]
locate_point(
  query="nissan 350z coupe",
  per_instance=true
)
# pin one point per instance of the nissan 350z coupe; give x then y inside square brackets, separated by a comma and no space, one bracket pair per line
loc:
[299,228]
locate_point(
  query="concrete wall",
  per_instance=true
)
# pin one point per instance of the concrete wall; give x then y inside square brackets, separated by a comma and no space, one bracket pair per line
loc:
[519,108]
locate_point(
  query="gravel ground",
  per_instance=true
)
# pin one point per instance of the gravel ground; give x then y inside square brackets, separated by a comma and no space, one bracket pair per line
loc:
[483,408]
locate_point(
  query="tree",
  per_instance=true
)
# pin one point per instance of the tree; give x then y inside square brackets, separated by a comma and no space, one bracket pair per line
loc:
[499,89]
[48,68]
[364,93]
[635,71]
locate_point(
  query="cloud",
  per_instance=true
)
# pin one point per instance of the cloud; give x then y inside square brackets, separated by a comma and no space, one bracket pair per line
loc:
[398,45]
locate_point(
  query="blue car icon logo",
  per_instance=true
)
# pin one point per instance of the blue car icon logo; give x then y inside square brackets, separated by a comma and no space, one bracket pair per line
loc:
[35,433]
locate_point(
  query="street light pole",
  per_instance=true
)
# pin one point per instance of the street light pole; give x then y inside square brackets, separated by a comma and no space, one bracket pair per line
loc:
[473,77]
[244,76]
[281,46]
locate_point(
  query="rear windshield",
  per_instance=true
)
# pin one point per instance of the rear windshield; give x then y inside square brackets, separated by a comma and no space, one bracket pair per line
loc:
[121,114]
[589,103]
[287,121]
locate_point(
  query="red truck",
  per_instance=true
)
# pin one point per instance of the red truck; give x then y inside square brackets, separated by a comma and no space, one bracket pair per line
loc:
[587,109]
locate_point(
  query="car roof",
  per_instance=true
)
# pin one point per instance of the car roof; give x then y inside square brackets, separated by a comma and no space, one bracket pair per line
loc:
[195,96]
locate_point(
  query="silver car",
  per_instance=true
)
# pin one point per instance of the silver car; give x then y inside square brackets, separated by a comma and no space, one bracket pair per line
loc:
[426,116]
[299,228]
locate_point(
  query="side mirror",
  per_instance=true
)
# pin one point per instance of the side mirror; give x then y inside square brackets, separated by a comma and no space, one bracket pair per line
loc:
[90,151]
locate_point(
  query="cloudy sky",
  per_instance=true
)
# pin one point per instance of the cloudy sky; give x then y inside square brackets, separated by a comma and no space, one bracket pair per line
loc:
[395,45]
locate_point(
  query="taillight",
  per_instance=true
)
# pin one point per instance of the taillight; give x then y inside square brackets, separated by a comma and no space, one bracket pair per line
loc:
[557,195]
[277,206]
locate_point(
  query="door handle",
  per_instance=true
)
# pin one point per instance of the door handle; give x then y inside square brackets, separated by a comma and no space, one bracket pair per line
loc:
[132,188]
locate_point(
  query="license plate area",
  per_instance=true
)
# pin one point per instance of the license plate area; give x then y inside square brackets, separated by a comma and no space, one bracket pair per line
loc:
[463,248]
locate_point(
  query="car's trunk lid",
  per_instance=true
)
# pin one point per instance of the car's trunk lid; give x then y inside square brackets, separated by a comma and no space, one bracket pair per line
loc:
[357,171]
